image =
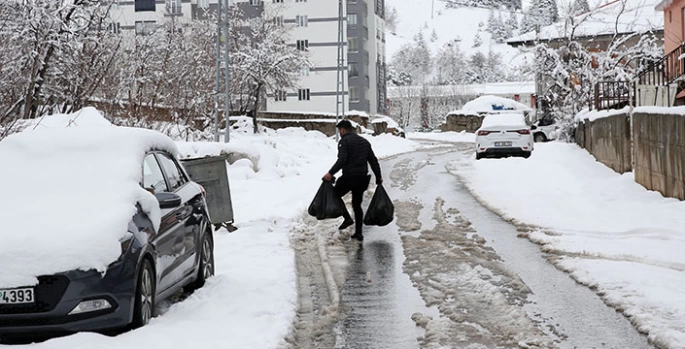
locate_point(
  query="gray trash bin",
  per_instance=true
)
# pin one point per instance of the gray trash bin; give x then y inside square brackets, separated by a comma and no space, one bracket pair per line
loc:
[210,172]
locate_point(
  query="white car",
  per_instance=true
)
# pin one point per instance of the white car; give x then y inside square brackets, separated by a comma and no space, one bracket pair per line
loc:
[504,135]
[544,130]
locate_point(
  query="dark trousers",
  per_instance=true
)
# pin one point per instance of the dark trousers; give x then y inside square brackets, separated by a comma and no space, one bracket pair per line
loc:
[357,185]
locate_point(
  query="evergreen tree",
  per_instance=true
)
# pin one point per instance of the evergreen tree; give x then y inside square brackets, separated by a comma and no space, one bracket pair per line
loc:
[477,41]
[512,23]
[434,36]
[580,6]
[491,22]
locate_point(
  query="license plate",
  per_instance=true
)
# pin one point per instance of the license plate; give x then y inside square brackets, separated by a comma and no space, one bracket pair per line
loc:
[17,296]
[502,144]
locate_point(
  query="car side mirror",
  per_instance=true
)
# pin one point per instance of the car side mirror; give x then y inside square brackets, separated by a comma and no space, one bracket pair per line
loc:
[168,200]
[533,127]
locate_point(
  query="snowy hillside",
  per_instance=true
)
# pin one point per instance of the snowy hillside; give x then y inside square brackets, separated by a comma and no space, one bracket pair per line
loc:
[450,25]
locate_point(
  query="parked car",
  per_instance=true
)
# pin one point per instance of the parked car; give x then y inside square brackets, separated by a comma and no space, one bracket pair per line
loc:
[89,184]
[504,135]
[544,130]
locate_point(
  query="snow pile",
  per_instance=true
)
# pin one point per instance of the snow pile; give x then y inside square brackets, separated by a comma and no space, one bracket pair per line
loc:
[600,114]
[661,110]
[610,232]
[388,120]
[487,104]
[69,195]
[509,119]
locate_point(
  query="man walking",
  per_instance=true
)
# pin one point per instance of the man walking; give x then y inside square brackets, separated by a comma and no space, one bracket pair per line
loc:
[354,152]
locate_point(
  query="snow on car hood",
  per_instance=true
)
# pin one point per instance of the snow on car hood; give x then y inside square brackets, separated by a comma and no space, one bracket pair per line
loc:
[67,196]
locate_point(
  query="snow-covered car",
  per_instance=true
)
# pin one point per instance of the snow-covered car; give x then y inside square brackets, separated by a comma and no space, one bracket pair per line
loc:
[503,135]
[544,130]
[99,225]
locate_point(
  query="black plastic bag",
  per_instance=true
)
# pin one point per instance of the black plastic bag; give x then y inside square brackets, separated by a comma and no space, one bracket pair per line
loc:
[381,210]
[326,203]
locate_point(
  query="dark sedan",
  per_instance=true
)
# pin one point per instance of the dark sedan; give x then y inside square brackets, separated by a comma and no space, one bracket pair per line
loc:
[154,264]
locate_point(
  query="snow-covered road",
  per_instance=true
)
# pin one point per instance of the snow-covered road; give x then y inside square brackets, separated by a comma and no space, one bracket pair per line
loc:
[450,273]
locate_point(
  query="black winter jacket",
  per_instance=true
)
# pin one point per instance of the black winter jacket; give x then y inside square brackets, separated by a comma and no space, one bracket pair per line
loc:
[354,152]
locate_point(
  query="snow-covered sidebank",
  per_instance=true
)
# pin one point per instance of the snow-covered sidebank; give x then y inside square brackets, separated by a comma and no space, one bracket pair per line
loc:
[607,231]
[252,300]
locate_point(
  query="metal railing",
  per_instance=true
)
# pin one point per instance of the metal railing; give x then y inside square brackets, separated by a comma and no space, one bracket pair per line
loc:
[664,71]
[612,95]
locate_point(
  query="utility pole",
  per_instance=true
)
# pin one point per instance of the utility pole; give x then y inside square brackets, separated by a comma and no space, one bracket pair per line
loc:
[223,94]
[340,88]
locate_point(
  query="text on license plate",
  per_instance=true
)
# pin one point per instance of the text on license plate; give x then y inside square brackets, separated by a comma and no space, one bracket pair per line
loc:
[17,296]
[502,144]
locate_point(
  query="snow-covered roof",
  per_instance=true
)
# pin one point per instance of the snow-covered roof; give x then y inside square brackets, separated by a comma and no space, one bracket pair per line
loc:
[487,104]
[497,88]
[638,16]
[69,193]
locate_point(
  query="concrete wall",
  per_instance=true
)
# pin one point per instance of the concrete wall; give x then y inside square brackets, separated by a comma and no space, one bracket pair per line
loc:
[660,153]
[608,140]
[323,123]
[458,123]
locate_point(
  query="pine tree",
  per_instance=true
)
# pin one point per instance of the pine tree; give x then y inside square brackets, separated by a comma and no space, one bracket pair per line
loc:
[580,6]
[491,22]
[434,36]
[551,10]
[477,41]
[512,23]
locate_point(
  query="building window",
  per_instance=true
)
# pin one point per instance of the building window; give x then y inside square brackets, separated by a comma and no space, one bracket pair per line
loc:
[304,71]
[302,21]
[353,70]
[352,45]
[255,2]
[144,5]
[280,95]
[354,94]
[278,20]
[173,7]
[303,94]
[203,4]
[302,45]
[145,27]
[115,27]
[278,1]
[352,19]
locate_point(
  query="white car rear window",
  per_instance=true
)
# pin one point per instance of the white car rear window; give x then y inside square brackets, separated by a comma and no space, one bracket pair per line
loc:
[512,119]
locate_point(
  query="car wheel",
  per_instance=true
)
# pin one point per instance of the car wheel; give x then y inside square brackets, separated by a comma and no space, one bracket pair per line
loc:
[540,137]
[526,154]
[144,308]
[479,156]
[206,268]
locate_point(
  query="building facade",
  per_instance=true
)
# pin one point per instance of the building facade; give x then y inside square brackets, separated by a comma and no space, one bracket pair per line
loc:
[314,29]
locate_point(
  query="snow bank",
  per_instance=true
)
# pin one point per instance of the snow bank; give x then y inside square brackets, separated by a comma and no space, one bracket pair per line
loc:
[69,193]
[486,104]
[611,232]
[661,110]
[600,114]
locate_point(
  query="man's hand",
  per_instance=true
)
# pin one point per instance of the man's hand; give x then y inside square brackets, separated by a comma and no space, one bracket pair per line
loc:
[327,177]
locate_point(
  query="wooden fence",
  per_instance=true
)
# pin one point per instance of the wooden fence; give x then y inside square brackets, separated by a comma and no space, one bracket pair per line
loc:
[608,139]
[660,152]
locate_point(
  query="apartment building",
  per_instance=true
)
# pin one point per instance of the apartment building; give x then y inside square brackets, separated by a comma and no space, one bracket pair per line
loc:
[315,29]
